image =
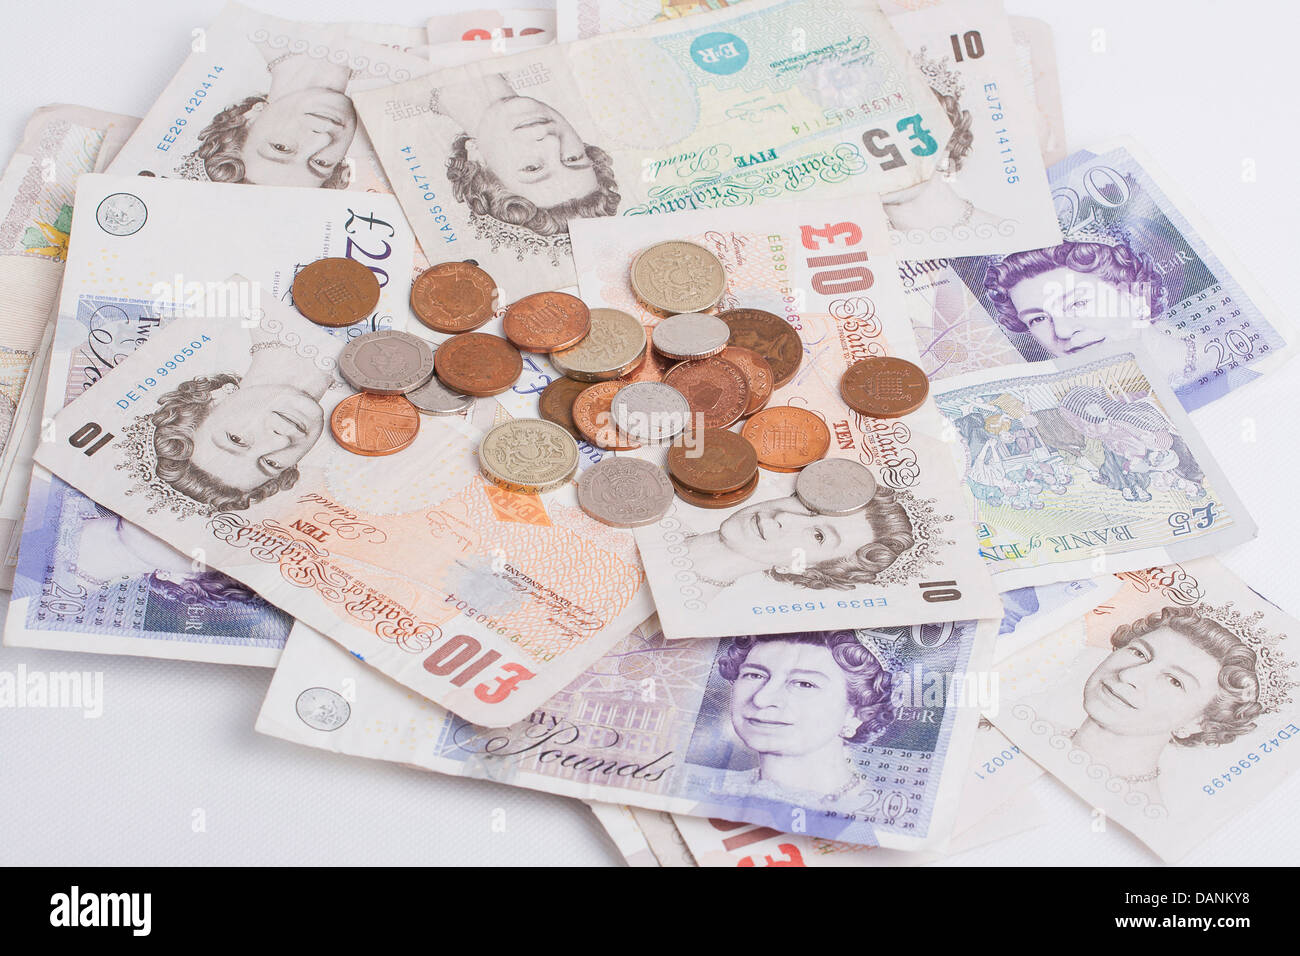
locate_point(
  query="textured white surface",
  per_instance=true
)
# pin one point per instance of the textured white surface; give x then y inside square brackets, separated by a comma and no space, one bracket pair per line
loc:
[1200,84]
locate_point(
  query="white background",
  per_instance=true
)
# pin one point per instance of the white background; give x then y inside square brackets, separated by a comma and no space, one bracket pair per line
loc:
[1206,87]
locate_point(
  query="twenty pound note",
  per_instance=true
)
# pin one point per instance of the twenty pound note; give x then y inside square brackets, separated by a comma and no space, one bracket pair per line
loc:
[212,437]
[1086,465]
[771,565]
[771,99]
[1171,707]
[862,736]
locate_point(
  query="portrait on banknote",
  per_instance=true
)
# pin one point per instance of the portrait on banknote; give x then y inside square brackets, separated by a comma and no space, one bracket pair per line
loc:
[1168,705]
[519,161]
[225,441]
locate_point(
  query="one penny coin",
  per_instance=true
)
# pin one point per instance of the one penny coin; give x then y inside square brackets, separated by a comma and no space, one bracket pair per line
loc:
[592,415]
[712,461]
[453,297]
[478,364]
[678,276]
[881,386]
[770,336]
[728,500]
[758,374]
[555,404]
[547,321]
[714,388]
[787,438]
[335,292]
[374,425]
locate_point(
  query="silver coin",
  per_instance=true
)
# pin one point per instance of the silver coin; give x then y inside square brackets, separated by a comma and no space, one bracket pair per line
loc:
[437,399]
[678,276]
[386,363]
[690,335]
[528,455]
[650,412]
[835,486]
[625,492]
[613,346]
[322,709]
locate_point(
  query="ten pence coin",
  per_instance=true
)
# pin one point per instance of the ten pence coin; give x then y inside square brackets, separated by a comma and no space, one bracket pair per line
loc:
[835,486]
[625,492]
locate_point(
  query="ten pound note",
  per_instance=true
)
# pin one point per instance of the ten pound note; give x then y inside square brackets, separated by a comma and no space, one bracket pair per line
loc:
[770,564]
[1171,707]
[770,99]
[485,600]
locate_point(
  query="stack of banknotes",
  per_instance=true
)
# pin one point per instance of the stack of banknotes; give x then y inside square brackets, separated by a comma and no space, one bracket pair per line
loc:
[1034,589]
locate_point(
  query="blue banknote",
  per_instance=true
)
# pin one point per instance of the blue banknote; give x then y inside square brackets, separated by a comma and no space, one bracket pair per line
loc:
[861,736]
[1138,268]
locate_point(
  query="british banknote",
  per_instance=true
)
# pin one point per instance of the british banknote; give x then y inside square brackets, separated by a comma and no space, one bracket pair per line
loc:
[493,158]
[270,102]
[1036,59]
[1138,267]
[484,599]
[676,725]
[1171,707]
[59,143]
[1030,613]
[1085,466]
[769,565]
[144,252]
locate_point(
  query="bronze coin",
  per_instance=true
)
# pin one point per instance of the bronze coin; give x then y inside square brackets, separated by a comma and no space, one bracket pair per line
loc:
[758,374]
[653,368]
[786,438]
[555,404]
[453,297]
[591,413]
[882,386]
[335,292]
[372,425]
[770,336]
[713,461]
[715,389]
[547,321]
[479,364]
[701,500]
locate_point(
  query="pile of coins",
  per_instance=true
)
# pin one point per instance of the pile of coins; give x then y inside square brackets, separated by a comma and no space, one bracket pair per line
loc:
[684,386]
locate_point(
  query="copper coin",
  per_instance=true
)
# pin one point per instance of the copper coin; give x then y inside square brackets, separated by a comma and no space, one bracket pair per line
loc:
[478,364]
[373,425]
[786,438]
[555,404]
[770,336]
[652,368]
[591,413]
[335,292]
[758,374]
[547,321]
[882,386]
[453,297]
[713,461]
[701,500]
[715,389]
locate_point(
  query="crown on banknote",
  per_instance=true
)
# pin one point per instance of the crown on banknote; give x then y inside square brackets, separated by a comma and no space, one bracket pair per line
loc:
[1095,229]
[1272,668]
[140,461]
[193,167]
[928,546]
[520,239]
[940,74]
